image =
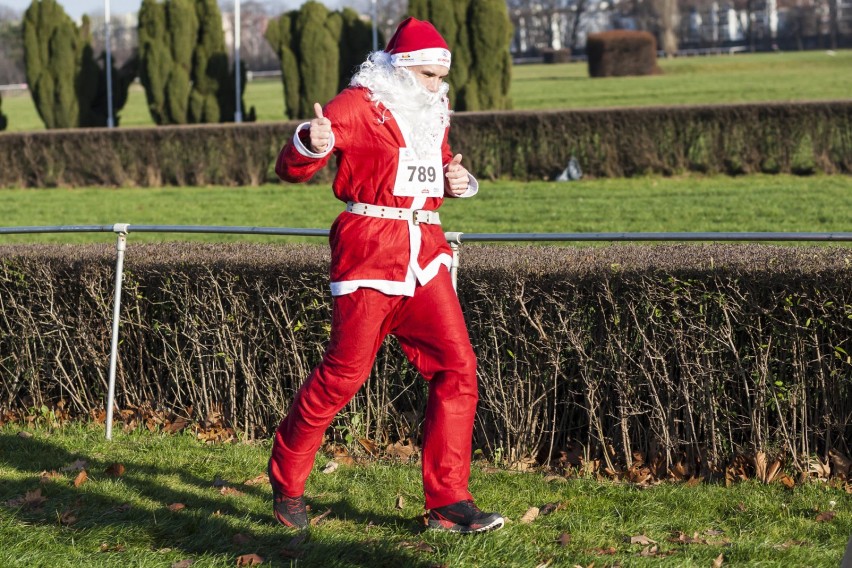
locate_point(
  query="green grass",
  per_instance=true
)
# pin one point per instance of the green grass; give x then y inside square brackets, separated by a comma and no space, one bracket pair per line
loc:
[761,77]
[687,204]
[127,521]
[792,76]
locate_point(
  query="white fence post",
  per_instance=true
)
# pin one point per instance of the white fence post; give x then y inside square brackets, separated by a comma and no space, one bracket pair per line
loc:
[454,238]
[120,247]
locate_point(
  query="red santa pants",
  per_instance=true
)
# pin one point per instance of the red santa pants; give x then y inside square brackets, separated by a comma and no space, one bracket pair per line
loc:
[432,332]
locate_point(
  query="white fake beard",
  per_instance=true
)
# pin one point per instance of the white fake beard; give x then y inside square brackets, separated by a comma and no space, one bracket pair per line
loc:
[427,113]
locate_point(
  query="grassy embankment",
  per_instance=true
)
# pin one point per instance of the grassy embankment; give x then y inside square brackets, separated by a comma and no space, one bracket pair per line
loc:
[181,500]
[793,76]
[688,204]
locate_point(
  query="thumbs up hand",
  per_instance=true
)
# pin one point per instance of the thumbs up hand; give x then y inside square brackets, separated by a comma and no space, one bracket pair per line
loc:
[457,177]
[320,131]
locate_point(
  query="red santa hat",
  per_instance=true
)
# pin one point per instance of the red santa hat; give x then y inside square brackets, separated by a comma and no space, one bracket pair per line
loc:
[417,42]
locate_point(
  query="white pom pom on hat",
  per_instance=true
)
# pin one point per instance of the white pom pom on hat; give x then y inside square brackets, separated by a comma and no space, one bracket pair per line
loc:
[417,42]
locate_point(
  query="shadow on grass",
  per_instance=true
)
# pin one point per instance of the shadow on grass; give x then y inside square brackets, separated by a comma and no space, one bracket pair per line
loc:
[208,523]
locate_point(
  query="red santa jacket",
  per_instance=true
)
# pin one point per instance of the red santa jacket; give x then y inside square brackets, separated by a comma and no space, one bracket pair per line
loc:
[385,254]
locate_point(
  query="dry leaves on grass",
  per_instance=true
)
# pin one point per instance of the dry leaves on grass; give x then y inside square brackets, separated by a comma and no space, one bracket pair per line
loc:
[76,465]
[31,500]
[535,512]
[563,539]
[185,563]
[369,446]
[175,507]
[402,452]
[819,469]
[123,508]
[530,515]
[249,560]
[419,546]
[319,519]
[841,462]
[683,538]
[46,476]
[640,539]
[650,547]
[548,508]
[260,479]
[825,517]
[115,469]
[68,517]
[339,454]
[81,478]
[609,551]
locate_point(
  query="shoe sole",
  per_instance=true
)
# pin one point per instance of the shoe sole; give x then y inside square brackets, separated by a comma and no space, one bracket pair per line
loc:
[461,529]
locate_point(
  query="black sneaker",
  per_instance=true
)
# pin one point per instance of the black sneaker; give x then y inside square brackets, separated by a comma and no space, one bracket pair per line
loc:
[464,517]
[289,511]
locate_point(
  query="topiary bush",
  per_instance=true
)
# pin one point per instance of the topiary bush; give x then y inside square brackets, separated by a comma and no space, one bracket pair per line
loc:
[622,52]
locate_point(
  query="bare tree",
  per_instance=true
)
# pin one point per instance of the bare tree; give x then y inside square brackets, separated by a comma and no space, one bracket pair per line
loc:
[547,24]
[668,17]
[579,8]
[833,22]
[8,14]
[389,14]
[254,18]
[11,47]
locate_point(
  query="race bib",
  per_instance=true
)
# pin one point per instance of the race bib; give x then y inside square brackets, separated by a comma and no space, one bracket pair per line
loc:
[419,177]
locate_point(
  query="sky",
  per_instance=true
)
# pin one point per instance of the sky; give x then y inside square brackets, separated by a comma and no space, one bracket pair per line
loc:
[76,8]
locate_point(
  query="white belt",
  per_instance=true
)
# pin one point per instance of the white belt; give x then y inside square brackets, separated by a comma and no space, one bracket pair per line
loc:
[416,216]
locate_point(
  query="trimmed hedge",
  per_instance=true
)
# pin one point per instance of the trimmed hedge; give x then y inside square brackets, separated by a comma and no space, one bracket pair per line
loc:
[800,138]
[690,353]
[618,53]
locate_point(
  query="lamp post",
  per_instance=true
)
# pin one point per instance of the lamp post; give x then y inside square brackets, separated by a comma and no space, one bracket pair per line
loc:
[238,114]
[375,28]
[110,121]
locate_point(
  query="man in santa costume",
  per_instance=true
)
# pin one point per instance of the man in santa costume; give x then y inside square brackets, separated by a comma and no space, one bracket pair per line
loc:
[389,270]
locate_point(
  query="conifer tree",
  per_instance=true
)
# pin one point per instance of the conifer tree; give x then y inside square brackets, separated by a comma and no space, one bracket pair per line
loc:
[356,42]
[3,120]
[122,79]
[167,34]
[490,37]
[459,78]
[344,41]
[68,84]
[279,35]
[88,76]
[478,33]
[210,72]
[184,63]
[51,45]
[318,58]
[443,14]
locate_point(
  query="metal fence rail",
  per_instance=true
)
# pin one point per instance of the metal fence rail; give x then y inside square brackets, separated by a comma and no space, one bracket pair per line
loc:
[455,239]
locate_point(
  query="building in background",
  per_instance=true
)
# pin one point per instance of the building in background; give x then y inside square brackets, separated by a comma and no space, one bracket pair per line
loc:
[700,26]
